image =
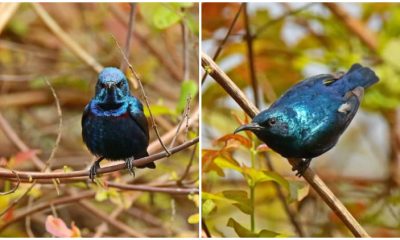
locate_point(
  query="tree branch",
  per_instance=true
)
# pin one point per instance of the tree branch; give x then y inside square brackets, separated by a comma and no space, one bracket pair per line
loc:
[85,173]
[354,25]
[316,183]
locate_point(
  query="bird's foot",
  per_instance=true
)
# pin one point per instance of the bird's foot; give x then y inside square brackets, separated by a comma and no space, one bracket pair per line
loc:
[94,168]
[302,166]
[129,165]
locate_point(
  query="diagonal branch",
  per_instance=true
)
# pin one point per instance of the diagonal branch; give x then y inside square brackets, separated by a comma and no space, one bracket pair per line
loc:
[65,38]
[316,183]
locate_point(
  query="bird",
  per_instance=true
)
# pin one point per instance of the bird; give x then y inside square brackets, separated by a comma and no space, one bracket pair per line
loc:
[309,118]
[114,126]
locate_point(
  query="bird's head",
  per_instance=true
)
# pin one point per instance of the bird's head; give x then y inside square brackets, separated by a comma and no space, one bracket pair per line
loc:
[112,87]
[267,125]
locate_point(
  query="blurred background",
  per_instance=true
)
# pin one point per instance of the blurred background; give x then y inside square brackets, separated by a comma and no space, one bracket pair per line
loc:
[273,46]
[68,44]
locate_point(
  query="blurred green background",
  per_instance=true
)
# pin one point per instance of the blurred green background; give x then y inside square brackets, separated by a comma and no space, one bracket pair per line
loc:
[292,41]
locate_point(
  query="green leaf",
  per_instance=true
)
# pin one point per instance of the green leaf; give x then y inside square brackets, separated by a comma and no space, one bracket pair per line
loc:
[158,110]
[244,232]
[101,195]
[239,229]
[297,190]
[193,219]
[188,89]
[255,176]
[208,207]
[162,15]
[224,163]
[241,198]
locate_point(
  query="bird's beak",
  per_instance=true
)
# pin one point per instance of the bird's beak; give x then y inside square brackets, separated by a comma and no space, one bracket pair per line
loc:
[110,85]
[251,127]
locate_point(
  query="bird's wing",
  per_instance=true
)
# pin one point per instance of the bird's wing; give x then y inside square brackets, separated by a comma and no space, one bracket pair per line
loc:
[352,100]
[137,114]
[85,114]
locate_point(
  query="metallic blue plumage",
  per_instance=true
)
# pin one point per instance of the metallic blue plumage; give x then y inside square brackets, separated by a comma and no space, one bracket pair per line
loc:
[309,118]
[113,123]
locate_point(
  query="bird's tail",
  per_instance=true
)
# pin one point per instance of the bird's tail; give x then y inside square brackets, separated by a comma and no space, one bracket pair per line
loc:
[359,76]
[151,165]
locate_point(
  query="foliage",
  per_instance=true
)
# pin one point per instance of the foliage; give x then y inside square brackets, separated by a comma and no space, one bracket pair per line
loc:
[288,46]
[30,52]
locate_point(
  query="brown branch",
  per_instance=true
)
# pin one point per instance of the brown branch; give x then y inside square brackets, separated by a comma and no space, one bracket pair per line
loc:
[354,25]
[129,34]
[280,18]
[250,56]
[113,222]
[222,44]
[7,10]
[316,183]
[172,70]
[13,189]
[44,205]
[66,39]
[85,173]
[134,73]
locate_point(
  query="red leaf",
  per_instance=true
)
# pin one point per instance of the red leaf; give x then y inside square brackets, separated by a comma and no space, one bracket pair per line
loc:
[235,137]
[26,155]
[58,228]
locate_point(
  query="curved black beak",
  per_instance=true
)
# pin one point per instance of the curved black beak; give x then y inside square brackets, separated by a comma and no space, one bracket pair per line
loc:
[251,127]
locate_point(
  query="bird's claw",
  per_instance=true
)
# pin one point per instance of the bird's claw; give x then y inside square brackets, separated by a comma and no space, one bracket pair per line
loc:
[93,170]
[130,166]
[302,166]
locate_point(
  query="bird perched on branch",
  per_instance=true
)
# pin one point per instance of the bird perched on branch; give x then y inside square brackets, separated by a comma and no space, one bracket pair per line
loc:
[309,118]
[114,126]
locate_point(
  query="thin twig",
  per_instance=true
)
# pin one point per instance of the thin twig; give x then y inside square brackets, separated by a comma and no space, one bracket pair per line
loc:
[222,44]
[316,183]
[66,39]
[172,70]
[354,25]
[131,27]
[7,11]
[85,173]
[185,48]
[188,166]
[14,188]
[185,115]
[16,201]
[154,125]
[205,228]
[280,18]
[250,56]
[60,126]
[113,222]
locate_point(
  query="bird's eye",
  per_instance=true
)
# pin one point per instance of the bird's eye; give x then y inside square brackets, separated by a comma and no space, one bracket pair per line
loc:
[102,85]
[120,84]
[271,121]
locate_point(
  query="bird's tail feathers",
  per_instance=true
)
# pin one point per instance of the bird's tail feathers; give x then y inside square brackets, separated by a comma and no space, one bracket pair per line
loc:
[151,165]
[361,76]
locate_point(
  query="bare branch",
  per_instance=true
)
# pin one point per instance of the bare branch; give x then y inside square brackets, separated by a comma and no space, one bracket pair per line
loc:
[129,34]
[14,188]
[222,44]
[85,173]
[66,39]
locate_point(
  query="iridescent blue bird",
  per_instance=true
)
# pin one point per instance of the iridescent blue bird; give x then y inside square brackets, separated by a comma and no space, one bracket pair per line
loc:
[309,118]
[114,126]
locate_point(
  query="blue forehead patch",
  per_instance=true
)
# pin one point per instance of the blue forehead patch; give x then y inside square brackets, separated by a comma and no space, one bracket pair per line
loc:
[111,74]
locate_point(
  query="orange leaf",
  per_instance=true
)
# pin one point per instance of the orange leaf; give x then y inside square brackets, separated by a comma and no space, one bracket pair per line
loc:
[239,138]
